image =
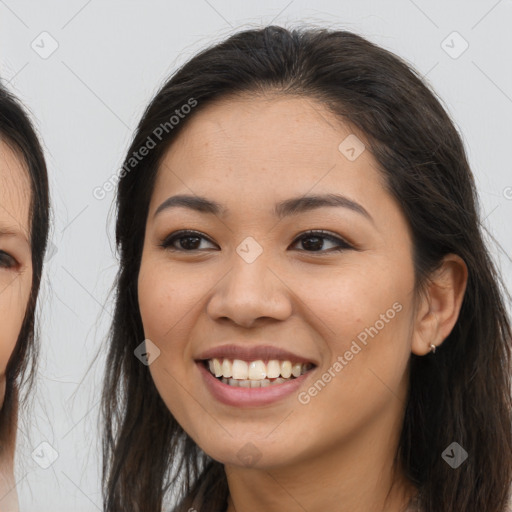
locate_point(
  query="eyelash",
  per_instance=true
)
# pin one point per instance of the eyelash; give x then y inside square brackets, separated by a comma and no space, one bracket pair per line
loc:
[11,262]
[342,244]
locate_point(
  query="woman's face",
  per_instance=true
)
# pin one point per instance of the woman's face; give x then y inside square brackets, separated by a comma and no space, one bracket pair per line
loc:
[15,253]
[253,288]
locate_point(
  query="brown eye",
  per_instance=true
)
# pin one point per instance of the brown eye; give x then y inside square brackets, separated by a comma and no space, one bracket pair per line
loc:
[6,260]
[313,241]
[188,241]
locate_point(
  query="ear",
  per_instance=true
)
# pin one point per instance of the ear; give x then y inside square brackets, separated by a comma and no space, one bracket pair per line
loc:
[439,306]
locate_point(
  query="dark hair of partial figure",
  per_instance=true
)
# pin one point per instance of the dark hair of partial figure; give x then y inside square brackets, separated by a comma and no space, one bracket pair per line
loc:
[17,131]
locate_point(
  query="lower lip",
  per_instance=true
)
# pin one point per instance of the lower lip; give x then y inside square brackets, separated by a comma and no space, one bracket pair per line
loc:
[249,397]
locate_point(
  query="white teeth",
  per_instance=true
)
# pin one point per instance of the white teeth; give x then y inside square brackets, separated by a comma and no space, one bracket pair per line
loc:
[256,371]
[227,368]
[296,369]
[217,368]
[286,369]
[273,369]
[247,383]
[240,369]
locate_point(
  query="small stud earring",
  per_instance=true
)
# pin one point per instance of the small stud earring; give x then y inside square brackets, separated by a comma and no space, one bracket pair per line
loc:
[432,348]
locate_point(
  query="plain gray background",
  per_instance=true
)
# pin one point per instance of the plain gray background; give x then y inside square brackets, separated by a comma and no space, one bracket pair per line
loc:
[86,97]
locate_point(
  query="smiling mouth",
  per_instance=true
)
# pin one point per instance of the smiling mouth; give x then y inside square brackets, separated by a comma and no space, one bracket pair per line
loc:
[255,374]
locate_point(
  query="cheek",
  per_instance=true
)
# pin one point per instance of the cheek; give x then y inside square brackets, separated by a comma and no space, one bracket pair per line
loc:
[354,298]
[169,303]
[166,302]
[365,372]
[165,297]
[368,314]
[13,303]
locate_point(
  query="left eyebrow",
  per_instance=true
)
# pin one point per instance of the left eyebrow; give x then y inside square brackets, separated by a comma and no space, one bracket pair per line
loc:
[9,232]
[302,204]
[292,206]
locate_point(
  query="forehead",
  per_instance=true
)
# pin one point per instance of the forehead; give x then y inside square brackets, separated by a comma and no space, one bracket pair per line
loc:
[15,192]
[282,143]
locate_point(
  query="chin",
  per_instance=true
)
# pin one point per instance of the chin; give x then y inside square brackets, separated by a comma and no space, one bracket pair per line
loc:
[251,452]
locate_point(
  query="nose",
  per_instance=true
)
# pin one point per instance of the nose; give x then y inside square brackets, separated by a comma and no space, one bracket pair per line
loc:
[250,292]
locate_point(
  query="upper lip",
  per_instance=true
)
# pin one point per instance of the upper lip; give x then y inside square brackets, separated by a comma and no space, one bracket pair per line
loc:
[252,353]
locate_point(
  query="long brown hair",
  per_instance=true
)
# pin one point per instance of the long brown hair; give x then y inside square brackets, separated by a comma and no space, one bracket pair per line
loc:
[461,393]
[17,131]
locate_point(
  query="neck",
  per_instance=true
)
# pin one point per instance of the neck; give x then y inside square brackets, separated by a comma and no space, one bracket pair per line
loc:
[356,476]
